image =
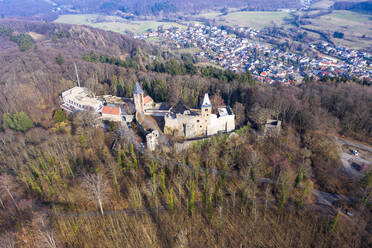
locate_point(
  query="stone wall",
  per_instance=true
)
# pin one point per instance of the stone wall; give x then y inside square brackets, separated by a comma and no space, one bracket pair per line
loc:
[221,124]
[184,125]
[152,140]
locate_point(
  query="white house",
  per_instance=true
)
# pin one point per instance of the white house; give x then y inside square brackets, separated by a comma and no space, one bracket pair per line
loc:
[80,99]
[111,113]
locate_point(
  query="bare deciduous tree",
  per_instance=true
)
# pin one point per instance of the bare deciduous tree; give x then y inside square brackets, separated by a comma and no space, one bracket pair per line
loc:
[2,203]
[96,188]
[182,239]
[267,195]
[217,102]
[7,185]
[7,240]
[176,95]
[239,111]
[48,240]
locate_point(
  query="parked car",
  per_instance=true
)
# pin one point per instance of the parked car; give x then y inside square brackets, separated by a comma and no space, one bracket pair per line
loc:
[359,167]
[348,213]
[363,167]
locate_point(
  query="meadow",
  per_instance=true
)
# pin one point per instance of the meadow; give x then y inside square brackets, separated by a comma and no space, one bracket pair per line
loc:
[255,19]
[323,4]
[353,25]
[114,23]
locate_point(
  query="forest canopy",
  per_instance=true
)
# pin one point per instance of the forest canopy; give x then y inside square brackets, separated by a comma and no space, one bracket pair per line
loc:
[64,181]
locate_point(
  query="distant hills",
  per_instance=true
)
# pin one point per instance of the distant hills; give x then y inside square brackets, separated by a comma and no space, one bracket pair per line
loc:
[49,9]
[363,7]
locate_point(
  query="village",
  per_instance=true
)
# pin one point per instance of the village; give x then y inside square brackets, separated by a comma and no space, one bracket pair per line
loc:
[266,62]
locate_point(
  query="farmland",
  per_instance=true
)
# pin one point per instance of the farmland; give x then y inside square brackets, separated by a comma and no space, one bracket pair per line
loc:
[114,23]
[255,19]
[355,26]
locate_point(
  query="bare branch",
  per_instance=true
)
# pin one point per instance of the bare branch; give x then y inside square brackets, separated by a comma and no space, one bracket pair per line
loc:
[96,188]
[7,186]
[48,240]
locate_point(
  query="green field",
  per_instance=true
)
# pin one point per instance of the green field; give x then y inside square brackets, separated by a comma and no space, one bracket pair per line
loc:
[353,25]
[342,16]
[114,23]
[323,4]
[209,15]
[255,19]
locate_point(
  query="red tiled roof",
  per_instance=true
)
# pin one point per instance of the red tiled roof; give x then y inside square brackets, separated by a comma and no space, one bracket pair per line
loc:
[147,100]
[110,110]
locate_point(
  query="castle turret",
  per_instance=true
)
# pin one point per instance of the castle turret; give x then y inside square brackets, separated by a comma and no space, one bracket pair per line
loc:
[138,98]
[206,109]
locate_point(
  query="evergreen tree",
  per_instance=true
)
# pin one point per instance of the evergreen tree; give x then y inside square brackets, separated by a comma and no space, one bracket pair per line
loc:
[17,121]
[59,116]
[114,85]
[60,60]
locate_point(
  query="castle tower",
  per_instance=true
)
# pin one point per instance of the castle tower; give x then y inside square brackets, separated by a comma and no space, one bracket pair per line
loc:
[138,98]
[206,110]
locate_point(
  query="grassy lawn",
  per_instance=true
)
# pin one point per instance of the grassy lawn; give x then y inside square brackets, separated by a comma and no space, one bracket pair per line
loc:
[342,15]
[209,15]
[324,4]
[192,50]
[255,19]
[114,23]
[205,64]
[153,39]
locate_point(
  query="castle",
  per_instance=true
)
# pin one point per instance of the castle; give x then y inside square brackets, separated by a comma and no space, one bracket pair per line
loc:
[181,121]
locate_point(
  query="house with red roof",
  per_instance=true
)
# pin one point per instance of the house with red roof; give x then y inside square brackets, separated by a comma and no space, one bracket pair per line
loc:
[148,102]
[111,113]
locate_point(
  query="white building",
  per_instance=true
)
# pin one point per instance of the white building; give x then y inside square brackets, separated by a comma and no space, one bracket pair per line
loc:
[80,99]
[111,113]
[152,140]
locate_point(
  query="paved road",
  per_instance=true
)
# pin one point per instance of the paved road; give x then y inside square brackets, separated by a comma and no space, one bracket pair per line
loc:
[328,199]
[346,162]
[346,158]
[351,143]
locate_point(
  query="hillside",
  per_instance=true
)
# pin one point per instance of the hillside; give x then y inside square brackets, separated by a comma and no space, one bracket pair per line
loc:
[50,9]
[32,80]
[359,6]
[238,190]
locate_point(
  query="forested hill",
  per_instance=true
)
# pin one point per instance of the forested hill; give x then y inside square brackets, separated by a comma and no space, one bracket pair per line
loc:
[49,9]
[30,77]
[361,7]
[156,7]
[233,190]
[36,65]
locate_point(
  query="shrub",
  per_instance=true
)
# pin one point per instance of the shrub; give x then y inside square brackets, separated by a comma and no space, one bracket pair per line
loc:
[24,41]
[17,121]
[59,116]
[59,59]
[338,35]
